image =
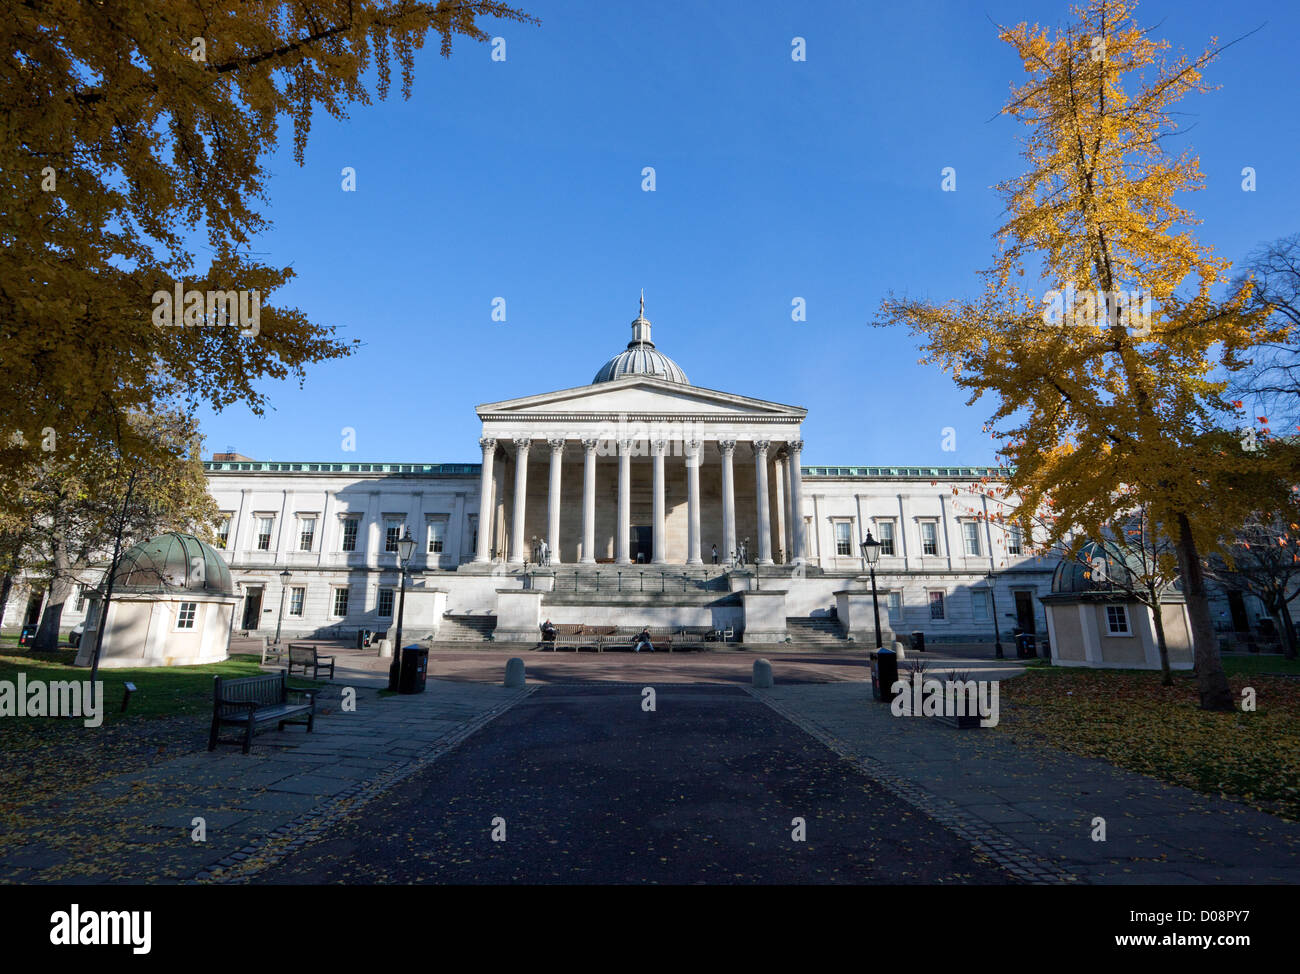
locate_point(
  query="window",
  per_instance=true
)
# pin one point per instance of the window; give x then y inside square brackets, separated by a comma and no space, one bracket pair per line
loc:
[979,605]
[970,533]
[349,542]
[385,603]
[264,526]
[297,596]
[340,602]
[1015,540]
[185,615]
[392,533]
[81,598]
[886,539]
[437,534]
[843,538]
[936,605]
[895,602]
[1117,620]
[223,531]
[929,537]
[306,531]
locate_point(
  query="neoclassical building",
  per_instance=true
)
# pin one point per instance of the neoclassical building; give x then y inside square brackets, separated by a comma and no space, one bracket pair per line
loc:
[631,482]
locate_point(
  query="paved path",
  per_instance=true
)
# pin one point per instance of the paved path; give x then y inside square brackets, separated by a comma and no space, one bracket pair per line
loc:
[590,788]
[138,827]
[1034,806]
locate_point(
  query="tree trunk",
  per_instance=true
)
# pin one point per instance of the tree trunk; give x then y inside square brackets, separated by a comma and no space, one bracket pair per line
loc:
[1211,681]
[6,587]
[47,634]
[1288,631]
[1157,618]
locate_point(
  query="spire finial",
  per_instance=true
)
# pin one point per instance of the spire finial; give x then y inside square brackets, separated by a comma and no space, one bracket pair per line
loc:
[643,302]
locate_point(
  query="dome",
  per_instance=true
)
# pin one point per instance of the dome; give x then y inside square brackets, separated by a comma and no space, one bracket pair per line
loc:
[173,562]
[1099,568]
[641,357]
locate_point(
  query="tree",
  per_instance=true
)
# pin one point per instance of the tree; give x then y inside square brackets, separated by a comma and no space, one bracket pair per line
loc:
[1264,562]
[1272,382]
[131,135]
[1107,362]
[81,504]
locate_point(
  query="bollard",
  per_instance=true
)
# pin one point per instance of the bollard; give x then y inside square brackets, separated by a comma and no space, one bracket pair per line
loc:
[762,674]
[385,649]
[515,673]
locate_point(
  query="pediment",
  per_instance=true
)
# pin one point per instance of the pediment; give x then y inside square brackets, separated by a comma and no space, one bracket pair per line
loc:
[637,397]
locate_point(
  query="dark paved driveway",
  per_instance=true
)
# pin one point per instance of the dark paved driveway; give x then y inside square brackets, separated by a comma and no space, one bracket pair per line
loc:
[595,790]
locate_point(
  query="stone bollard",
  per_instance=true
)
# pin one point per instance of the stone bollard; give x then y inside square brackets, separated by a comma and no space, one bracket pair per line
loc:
[762,674]
[385,649]
[515,673]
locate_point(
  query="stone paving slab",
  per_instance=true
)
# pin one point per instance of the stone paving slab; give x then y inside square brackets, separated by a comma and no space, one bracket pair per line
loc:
[1036,804]
[136,827]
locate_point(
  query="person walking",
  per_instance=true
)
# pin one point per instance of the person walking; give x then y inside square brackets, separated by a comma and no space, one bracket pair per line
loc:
[715,554]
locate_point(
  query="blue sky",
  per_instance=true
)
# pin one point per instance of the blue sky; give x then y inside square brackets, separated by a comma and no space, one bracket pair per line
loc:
[774,180]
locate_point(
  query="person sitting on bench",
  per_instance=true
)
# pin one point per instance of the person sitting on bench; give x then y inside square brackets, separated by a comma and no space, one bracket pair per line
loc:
[548,632]
[642,639]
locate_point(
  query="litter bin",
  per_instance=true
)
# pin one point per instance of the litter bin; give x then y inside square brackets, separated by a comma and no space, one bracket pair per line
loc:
[884,673]
[918,641]
[363,638]
[27,636]
[1025,647]
[415,669]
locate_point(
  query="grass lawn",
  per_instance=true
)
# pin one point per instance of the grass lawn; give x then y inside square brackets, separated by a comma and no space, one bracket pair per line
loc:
[1126,717]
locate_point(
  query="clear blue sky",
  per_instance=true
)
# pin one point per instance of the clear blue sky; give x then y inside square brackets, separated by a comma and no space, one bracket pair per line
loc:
[775,179]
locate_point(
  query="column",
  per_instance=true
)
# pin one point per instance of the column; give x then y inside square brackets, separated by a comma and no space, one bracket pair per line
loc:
[624,529]
[657,530]
[728,448]
[518,552]
[763,501]
[485,499]
[693,448]
[553,497]
[780,511]
[589,502]
[796,500]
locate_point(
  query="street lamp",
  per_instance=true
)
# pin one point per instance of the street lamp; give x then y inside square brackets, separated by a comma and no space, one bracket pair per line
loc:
[405,549]
[997,629]
[284,587]
[871,554]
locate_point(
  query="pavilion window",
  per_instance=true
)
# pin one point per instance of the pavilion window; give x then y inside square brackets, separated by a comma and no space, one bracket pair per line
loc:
[185,615]
[306,532]
[392,533]
[297,596]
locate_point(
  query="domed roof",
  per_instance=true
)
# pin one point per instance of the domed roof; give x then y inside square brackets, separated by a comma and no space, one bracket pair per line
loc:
[641,357]
[173,562]
[1099,568]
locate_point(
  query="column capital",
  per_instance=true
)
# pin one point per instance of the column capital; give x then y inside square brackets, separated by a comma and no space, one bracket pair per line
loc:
[727,446]
[659,447]
[794,446]
[761,446]
[590,445]
[488,443]
[556,445]
[522,443]
[625,447]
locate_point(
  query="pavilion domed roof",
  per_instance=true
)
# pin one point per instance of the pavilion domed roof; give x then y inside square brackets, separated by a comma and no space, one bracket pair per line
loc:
[641,357]
[173,562]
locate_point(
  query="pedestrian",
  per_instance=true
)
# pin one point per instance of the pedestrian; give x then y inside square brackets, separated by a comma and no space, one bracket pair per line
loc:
[642,639]
[715,554]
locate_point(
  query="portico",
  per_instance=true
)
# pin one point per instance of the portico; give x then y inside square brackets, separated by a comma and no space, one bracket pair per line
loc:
[640,467]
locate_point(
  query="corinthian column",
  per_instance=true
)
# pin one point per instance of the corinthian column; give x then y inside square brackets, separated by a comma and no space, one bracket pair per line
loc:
[728,448]
[589,502]
[553,498]
[517,551]
[657,531]
[764,509]
[693,448]
[485,499]
[622,555]
[796,501]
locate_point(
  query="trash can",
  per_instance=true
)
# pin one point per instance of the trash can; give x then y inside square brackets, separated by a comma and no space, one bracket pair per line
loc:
[415,669]
[884,673]
[27,636]
[1025,647]
[918,641]
[363,638]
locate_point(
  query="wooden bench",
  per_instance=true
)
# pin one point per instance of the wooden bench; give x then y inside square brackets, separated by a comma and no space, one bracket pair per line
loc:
[661,639]
[693,637]
[252,700]
[577,636]
[305,655]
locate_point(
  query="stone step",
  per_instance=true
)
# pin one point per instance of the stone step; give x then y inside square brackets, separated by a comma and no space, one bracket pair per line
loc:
[458,629]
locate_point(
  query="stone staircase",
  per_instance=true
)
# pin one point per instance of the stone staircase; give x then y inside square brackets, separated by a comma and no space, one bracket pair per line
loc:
[466,629]
[816,632]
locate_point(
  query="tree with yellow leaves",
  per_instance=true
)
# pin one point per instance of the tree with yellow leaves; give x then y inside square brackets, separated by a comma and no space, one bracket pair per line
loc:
[134,133]
[1098,333]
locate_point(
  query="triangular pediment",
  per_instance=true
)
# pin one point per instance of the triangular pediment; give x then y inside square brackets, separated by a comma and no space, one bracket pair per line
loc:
[642,395]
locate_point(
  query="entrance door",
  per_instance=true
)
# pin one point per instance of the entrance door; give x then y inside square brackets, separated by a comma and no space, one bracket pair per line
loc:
[1237,606]
[1025,611]
[642,547]
[33,615]
[252,608]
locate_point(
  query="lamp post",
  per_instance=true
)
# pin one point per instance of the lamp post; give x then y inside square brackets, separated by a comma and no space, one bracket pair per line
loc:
[997,629]
[871,554]
[405,549]
[284,587]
